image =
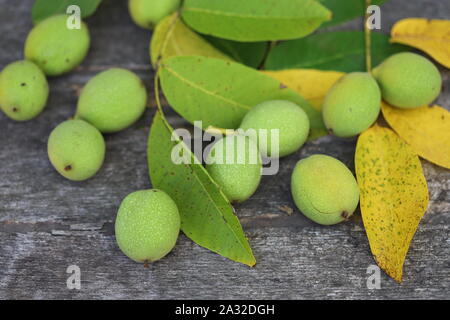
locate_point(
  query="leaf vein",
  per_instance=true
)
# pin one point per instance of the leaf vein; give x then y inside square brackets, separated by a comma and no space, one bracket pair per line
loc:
[207,92]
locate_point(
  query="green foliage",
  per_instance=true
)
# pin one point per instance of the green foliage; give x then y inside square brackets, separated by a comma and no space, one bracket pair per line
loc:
[249,53]
[43,9]
[206,215]
[339,51]
[220,93]
[254,20]
[172,37]
[344,10]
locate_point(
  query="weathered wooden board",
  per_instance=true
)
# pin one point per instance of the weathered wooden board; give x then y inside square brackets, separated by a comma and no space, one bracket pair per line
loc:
[48,223]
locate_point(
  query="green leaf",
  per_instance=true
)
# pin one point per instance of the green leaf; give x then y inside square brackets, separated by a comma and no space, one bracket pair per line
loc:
[254,20]
[206,215]
[220,93]
[344,10]
[249,53]
[173,38]
[339,51]
[45,8]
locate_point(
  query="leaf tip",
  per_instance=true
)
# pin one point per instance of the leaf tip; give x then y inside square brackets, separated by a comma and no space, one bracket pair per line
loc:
[252,263]
[330,15]
[397,275]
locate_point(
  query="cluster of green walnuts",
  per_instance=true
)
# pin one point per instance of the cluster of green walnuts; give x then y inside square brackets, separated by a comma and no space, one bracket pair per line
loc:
[404,80]
[323,188]
[148,221]
[111,101]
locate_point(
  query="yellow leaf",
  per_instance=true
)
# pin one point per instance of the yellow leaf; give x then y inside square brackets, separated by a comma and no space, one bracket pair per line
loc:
[430,36]
[173,38]
[311,84]
[394,195]
[425,129]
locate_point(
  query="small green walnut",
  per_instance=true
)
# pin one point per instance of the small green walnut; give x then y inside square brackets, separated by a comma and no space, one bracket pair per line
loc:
[235,164]
[324,189]
[23,90]
[54,47]
[147,225]
[408,80]
[285,116]
[147,13]
[352,105]
[76,149]
[112,100]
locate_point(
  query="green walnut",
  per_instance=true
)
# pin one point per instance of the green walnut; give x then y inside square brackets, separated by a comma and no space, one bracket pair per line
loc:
[54,47]
[352,104]
[23,90]
[324,189]
[408,80]
[76,149]
[235,164]
[112,100]
[147,225]
[147,13]
[290,121]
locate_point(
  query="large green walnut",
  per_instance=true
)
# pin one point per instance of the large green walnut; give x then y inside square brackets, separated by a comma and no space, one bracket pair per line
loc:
[112,100]
[147,13]
[147,225]
[235,164]
[324,189]
[285,116]
[408,80]
[352,105]
[23,90]
[54,47]
[76,149]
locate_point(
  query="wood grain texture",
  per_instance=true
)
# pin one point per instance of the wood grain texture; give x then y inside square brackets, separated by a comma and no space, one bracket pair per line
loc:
[48,223]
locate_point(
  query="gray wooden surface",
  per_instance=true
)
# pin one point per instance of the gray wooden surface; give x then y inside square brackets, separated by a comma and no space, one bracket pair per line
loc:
[48,223]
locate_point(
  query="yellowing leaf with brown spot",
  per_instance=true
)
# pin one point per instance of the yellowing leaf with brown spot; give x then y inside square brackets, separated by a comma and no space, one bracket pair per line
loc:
[394,195]
[425,129]
[430,36]
[173,38]
[312,85]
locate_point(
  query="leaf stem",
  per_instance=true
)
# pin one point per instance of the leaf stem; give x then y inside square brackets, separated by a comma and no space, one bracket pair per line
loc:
[270,46]
[156,88]
[368,42]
